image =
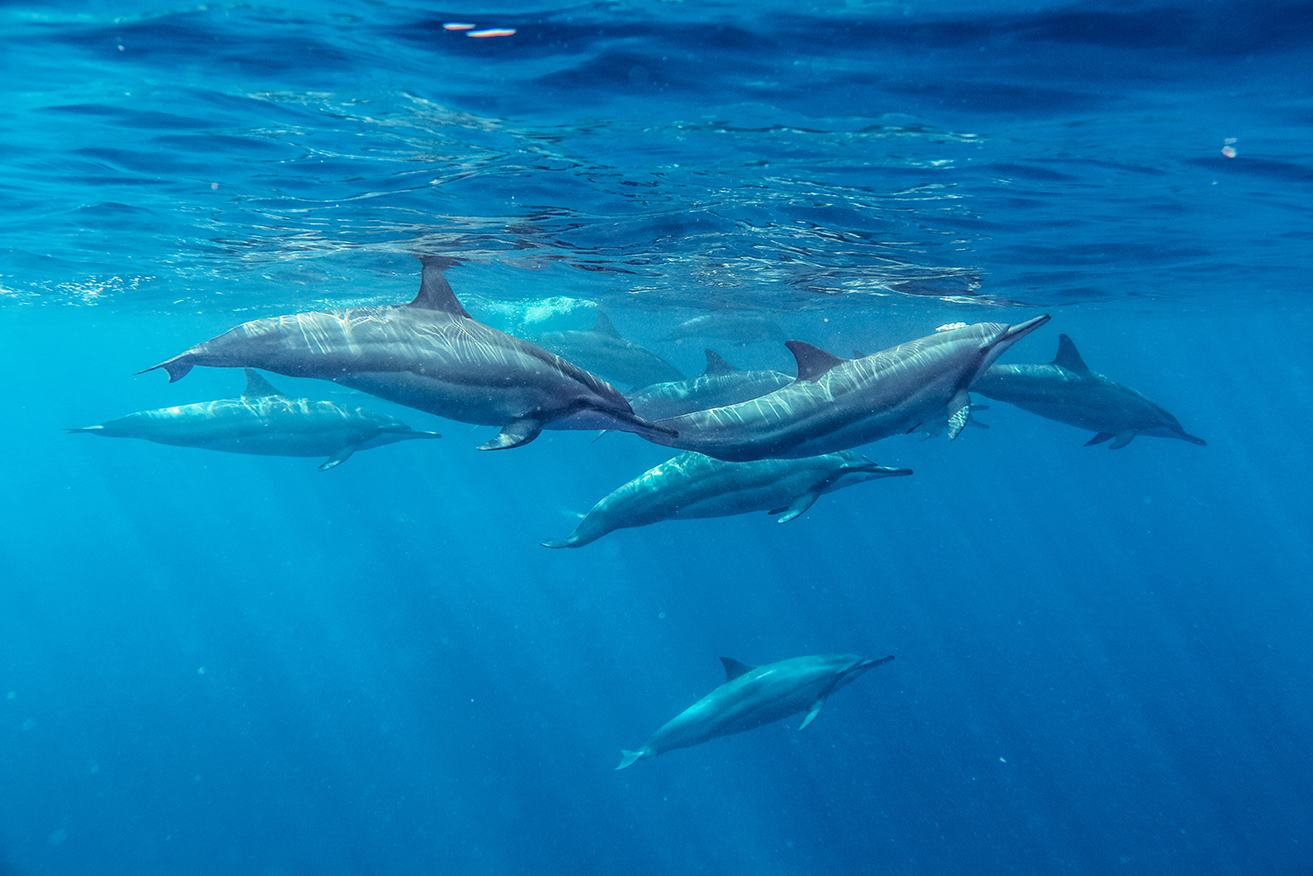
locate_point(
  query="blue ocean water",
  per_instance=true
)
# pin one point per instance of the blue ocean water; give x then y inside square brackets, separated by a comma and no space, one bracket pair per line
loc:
[215,663]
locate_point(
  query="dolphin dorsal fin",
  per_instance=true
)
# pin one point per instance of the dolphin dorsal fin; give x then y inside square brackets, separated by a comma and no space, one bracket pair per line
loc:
[716,364]
[605,326]
[257,386]
[812,361]
[1068,357]
[733,668]
[434,290]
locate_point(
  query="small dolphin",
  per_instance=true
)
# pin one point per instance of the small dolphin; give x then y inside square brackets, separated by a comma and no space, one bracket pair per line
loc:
[429,355]
[741,328]
[692,486]
[264,422]
[1067,390]
[835,404]
[753,696]
[721,384]
[603,351]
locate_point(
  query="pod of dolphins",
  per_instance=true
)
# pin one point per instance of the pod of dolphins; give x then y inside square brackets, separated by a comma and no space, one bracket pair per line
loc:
[751,440]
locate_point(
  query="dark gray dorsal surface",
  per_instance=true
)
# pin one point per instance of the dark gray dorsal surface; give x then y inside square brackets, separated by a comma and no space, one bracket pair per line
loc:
[733,668]
[813,362]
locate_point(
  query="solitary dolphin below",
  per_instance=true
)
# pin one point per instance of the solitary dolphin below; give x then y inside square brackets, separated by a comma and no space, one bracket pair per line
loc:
[753,696]
[263,421]
[835,404]
[430,355]
[692,485]
[1067,390]
[602,350]
[721,384]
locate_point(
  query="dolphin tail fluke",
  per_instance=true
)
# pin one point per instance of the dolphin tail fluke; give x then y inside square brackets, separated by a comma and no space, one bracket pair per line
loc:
[628,757]
[177,367]
[568,541]
[516,432]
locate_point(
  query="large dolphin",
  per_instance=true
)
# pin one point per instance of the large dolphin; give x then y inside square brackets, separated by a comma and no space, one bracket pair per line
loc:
[835,404]
[1067,390]
[263,421]
[430,355]
[692,485]
[603,351]
[721,384]
[756,695]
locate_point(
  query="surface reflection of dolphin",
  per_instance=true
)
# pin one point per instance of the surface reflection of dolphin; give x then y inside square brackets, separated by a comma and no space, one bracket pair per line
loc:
[265,422]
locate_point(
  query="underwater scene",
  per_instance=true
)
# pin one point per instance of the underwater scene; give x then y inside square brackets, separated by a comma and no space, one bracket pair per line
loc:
[656,437]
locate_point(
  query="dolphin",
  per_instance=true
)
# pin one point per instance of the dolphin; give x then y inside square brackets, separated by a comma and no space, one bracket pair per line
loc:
[1067,390]
[741,328]
[692,485]
[603,351]
[753,696]
[721,384]
[835,404]
[263,421]
[429,355]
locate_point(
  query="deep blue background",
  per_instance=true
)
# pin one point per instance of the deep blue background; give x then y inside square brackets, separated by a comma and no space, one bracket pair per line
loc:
[214,664]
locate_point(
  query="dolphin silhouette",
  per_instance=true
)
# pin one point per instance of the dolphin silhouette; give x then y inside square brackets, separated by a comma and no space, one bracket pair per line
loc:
[1067,390]
[692,486]
[263,421]
[429,355]
[604,351]
[835,404]
[753,696]
[721,384]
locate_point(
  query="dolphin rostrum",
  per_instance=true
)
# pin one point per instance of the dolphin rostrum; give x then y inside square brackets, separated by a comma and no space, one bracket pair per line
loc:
[835,404]
[721,384]
[263,421]
[753,696]
[1067,390]
[604,351]
[429,355]
[692,485]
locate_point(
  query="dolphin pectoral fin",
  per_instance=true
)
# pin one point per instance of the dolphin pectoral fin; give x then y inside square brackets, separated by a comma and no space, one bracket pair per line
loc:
[1122,439]
[176,367]
[628,757]
[516,432]
[960,415]
[812,713]
[798,506]
[1099,439]
[339,457]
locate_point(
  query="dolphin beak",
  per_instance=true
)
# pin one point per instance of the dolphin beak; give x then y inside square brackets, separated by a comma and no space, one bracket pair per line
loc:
[884,470]
[1019,331]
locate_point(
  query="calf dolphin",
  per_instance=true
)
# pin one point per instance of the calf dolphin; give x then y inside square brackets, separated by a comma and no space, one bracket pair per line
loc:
[1067,390]
[692,485]
[753,696]
[430,355]
[602,350]
[721,384]
[263,421]
[835,404]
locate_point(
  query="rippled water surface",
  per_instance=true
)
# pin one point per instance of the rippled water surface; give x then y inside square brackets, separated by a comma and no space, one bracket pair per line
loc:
[213,663]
